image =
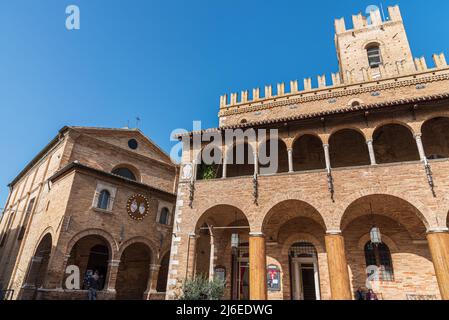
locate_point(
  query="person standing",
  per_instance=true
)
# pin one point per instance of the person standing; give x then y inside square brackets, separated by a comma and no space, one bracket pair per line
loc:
[371,295]
[92,285]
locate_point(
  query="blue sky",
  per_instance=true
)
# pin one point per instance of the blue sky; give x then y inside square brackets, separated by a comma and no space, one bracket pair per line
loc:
[164,61]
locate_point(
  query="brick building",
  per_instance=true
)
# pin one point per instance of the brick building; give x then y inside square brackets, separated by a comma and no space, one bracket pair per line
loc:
[365,152]
[100,199]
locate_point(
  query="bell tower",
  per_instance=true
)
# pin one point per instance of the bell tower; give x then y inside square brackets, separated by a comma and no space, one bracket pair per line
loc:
[374,48]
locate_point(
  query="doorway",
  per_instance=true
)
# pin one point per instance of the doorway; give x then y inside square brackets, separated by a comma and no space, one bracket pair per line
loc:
[305,283]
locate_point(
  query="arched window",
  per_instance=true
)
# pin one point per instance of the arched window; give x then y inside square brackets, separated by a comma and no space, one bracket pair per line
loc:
[125,173]
[164,216]
[379,255]
[103,200]
[374,56]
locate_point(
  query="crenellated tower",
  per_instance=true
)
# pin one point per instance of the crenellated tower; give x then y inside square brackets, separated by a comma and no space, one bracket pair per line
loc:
[374,48]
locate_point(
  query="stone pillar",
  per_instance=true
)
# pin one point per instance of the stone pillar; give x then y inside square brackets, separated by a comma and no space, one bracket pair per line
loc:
[152,281]
[191,256]
[111,280]
[327,157]
[290,160]
[439,249]
[212,258]
[257,267]
[224,166]
[422,154]
[338,267]
[256,163]
[372,156]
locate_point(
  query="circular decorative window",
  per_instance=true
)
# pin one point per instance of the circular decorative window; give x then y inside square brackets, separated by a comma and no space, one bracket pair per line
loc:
[137,207]
[133,144]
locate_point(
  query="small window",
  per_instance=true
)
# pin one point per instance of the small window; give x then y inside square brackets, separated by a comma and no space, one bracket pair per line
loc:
[164,216]
[125,173]
[30,206]
[374,56]
[133,144]
[21,233]
[3,240]
[103,200]
[379,255]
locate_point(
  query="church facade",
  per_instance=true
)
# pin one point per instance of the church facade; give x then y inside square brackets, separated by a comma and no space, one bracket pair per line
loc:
[358,198]
[93,200]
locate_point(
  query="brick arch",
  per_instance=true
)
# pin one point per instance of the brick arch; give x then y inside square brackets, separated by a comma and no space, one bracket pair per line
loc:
[48,230]
[426,118]
[112,244]
[147,242]
[298,237]
[207,215]
[307,133]
[387,122]
[268,212]
[352,128]
[422,211]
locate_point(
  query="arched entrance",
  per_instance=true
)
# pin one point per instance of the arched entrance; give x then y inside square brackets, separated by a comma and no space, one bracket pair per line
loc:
[294,231]
[221,249]
[304,275]
[90,254]
[398,266]
[37,268]
[133,272]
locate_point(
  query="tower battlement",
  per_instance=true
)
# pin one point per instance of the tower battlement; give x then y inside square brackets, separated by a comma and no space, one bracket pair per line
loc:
[375,49]
[359,21]
[323,82]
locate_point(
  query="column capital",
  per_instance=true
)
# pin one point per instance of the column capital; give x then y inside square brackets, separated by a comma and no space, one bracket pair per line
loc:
[333,232]
[369,141]
[113,263]
[256,234]
[417,135]
[155,267]
[438,230]
[326,145]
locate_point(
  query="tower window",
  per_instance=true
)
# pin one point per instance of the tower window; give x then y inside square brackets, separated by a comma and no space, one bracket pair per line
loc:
[374,56]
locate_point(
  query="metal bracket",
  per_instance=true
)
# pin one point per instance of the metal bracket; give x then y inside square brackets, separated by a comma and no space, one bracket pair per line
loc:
[191,193]
[330,184]
[255,189]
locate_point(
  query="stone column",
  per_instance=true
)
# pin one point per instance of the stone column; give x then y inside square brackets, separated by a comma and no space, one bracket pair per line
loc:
[190,272]
[290,160]
[152,281]
[224,166]
[439,249]
[372,155]
[420,146]
[257,267]
[338,267]
[212,258]
[111,279]
[256,163]
[327,157]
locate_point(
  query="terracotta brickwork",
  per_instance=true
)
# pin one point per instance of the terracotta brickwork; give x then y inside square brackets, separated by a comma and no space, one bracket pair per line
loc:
[65,181]
[368,150]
